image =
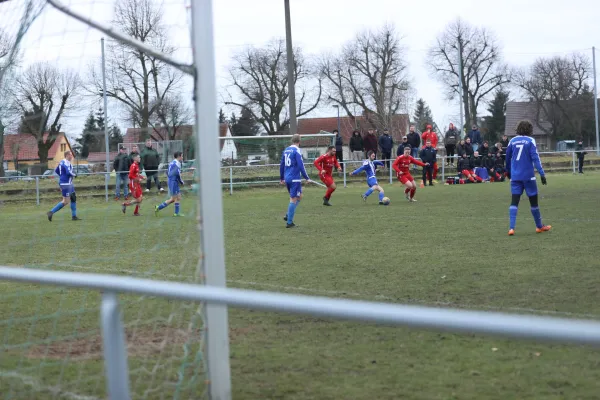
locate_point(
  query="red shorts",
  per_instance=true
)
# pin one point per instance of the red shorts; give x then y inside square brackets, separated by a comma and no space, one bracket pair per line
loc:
[405,178]
[136,189]
[327,180]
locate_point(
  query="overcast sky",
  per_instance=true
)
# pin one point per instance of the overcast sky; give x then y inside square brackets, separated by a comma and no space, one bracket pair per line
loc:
[526,30]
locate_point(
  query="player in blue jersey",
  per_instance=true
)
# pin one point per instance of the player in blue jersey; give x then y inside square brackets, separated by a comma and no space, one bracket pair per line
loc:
[65,173]
[174,181]
[521,158]
[370,166]
[291,169]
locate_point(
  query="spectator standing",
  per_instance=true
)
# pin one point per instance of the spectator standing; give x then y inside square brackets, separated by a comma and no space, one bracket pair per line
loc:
[150,162]
[370,142]
[580,154]
[430,135]
[428,156]
[339,148]
[357,149]
[401,146]
[134,151]
[450,141]
[121,166]
[386,143]
[475,137]
[414,140]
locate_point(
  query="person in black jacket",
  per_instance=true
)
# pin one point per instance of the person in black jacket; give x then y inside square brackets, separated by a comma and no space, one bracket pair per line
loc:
[121,166]
[339,148]
[489,163]
[580,154]
[150,162]
[414,140]
[357,150]
[428,155]
[386,143]
[401,146]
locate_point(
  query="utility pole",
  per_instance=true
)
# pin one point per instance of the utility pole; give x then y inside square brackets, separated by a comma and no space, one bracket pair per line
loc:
[290,69]
[105,121]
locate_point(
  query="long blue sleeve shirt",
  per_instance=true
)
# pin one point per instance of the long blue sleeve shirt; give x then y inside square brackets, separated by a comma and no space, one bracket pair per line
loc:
[291,167]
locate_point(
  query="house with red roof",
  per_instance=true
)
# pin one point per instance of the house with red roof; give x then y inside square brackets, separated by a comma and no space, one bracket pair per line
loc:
[21,150]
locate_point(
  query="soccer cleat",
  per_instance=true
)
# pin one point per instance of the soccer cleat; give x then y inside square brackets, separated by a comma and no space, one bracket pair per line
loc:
[75,218]
[137,214]
[156,211]
[123,208]
[381,203]
[511,232]
[407,196]
[292,225]
[326,201]
[413,200]
[544,228]
[49,214]
[285,218]
[178,215]
[364,198]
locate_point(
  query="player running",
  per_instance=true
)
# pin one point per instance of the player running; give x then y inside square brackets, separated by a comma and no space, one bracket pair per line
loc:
[370,166]
[65,173]
[174,180]
[135,188]
[325,164]
[521,157]
[401,165]
[291,168]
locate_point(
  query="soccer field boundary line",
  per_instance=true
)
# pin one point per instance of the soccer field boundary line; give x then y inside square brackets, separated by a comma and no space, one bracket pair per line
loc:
[325,292]
[38,386]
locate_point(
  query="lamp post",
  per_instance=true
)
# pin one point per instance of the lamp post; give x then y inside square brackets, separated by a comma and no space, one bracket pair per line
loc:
[338,116]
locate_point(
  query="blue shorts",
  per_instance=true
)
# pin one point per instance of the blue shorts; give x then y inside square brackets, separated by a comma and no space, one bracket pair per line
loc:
[67,190]
[530,187]
[174,189]
[294,189]
[372,182]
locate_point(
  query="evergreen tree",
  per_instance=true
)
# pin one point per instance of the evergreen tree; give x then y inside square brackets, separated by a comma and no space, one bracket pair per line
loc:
[222,117]
[246,125]
[100,119]
[423,117]
[495,123]
[114,137]
[87,141]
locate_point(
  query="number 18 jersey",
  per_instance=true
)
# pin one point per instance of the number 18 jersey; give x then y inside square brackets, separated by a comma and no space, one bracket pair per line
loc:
[521,158]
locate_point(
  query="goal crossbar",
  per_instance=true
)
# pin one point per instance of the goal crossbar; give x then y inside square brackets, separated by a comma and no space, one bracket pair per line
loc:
[310,135]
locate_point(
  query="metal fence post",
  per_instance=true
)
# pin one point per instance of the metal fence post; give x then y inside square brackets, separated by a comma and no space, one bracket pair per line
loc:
[37,190]
[444,168]
[344,165]
[115,350]
[230,180]
[573,153]
[391,179]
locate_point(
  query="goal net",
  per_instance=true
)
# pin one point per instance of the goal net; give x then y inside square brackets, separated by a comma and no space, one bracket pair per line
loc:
[253,160]
[51,77]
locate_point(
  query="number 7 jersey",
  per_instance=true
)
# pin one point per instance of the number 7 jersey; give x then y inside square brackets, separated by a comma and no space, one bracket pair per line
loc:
[521,158]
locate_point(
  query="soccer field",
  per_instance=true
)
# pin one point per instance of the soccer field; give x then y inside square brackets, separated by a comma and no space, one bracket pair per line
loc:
[449,249]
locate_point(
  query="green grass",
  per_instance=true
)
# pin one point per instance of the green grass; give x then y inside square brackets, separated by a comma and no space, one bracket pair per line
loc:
[450,249]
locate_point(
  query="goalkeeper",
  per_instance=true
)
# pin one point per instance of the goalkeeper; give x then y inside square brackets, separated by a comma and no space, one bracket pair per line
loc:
[174,180]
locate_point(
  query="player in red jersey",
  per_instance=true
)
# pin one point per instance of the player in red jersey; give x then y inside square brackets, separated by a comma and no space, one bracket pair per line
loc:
[135,188]
[325,164]
[429,134]
[403,173]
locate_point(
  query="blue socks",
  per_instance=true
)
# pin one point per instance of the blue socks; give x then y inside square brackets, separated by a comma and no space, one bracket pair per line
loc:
[381,196]
[537,216]
[368,192]
[176,208]
[162,205]
[291,212]
[57,207]
[73,209]
[512,212]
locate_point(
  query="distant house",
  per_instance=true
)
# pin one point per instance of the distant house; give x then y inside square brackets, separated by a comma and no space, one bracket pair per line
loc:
[228,147]
[398,128]
[23,148]
[526,110]
[99,157]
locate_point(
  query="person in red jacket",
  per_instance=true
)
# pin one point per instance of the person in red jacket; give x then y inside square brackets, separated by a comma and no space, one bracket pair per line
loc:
[403,173]
[429,134]
[325,164]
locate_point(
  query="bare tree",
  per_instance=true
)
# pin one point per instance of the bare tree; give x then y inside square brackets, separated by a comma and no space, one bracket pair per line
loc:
[482,67]
[42,96]
[370,72]
[6,44]
[171,114]
[557,87]
[137,80]
[259,78]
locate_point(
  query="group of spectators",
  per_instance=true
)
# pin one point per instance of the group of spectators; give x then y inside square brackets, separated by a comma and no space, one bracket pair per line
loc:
[472,156]
[149,161]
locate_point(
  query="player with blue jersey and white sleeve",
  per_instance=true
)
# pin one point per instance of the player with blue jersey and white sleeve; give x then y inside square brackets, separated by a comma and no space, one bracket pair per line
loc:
[65,173]
[370,166]
[291,170]
[521,158]
[174,181]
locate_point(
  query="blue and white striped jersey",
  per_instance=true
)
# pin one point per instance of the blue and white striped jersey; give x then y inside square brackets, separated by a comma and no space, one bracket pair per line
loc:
[174,172]
[369,167]
[65,173]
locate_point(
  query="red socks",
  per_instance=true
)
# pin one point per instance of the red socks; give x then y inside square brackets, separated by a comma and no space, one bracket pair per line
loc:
[412,192]
[328,193]
[137,208]
[407,190]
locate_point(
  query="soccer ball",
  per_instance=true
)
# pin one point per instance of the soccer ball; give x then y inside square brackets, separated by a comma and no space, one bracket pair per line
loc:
[385,201]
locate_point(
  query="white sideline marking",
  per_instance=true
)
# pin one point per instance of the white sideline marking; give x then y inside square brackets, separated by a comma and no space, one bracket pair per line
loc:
[340,293]
[38,386]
